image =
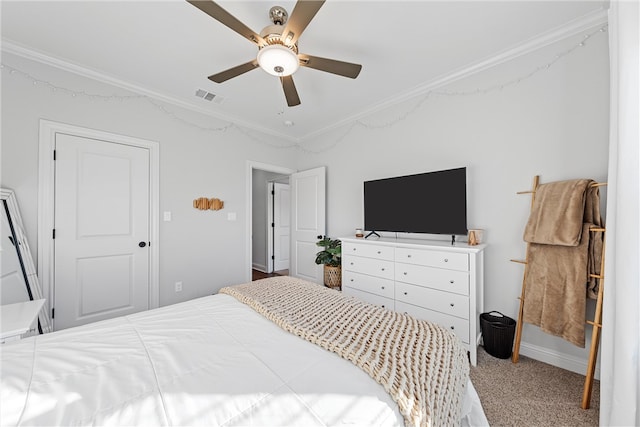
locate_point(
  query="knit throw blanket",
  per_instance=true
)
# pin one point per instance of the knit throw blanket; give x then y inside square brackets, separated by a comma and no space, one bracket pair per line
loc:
[421,365]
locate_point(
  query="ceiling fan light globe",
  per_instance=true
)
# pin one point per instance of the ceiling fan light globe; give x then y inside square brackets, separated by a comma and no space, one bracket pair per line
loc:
[278,60]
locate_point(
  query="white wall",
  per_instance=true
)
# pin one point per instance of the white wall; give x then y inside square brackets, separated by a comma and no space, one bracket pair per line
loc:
[553,124]
[200,248]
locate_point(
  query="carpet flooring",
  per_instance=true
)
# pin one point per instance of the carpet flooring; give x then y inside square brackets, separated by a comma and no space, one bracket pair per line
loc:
[531,393]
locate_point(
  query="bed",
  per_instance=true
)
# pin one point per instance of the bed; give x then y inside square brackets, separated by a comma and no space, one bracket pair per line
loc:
[218,360]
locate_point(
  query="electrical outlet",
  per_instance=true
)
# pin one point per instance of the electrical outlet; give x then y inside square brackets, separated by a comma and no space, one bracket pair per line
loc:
[178,286]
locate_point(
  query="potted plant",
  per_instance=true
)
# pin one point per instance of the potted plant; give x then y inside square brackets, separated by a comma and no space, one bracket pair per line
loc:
[331,257]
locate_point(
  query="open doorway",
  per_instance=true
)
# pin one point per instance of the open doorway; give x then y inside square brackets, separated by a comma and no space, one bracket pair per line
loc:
[270,210]
[307,216]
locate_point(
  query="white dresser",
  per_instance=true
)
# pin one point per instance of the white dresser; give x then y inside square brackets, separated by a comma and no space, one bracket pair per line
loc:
[428,279]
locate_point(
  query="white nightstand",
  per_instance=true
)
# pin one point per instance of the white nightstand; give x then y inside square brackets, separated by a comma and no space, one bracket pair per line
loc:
[16,319]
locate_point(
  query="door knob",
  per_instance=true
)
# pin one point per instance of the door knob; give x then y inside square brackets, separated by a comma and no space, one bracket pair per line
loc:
[142,244]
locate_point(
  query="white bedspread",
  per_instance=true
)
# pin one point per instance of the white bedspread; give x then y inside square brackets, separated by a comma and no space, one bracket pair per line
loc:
[209,361]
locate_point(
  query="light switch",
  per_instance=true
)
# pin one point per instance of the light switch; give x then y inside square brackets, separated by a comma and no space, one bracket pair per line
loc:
[231,216]
[167,216]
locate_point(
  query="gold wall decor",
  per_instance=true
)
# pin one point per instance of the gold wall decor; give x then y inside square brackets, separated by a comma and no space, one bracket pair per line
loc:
[204,204]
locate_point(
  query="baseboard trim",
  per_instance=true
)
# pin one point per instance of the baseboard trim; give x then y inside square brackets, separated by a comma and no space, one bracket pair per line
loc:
[260,267]
[560,360]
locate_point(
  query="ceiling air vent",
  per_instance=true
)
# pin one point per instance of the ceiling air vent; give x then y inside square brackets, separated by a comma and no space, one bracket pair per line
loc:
[217,99]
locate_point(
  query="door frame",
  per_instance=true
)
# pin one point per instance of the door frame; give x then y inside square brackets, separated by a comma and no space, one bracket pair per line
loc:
[251,165]
[270,230]
[46,201]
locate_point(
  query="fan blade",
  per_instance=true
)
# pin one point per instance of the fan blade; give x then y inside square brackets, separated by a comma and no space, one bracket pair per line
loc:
[234,72]
[341,68]
[219,14]
[303,12]
[290,91]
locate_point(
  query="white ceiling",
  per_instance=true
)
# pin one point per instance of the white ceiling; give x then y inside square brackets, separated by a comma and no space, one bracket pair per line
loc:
[166,49]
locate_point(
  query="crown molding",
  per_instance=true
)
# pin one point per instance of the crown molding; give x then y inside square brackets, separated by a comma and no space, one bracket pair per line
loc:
[570,29]
[11,47]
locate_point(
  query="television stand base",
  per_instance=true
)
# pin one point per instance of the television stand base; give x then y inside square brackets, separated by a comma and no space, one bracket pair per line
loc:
[370,233]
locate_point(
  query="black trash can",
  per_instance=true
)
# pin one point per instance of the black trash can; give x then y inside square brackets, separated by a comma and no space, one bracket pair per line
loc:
[497,333]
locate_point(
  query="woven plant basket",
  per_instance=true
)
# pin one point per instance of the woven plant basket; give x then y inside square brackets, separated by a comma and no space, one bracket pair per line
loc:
[332,277]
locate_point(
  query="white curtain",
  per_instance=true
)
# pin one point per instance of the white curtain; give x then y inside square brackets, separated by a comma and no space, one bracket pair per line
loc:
[620,350]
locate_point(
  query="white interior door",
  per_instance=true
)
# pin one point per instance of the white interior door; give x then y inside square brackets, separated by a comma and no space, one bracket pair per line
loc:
[308,215]
[281,226]
[102,211]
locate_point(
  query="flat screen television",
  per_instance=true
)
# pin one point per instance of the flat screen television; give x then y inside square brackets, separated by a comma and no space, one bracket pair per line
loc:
[432,202]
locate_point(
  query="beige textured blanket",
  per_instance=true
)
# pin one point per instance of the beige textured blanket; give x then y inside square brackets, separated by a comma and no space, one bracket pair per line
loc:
[557,214]
[421,365]
[556,293]
[561,255]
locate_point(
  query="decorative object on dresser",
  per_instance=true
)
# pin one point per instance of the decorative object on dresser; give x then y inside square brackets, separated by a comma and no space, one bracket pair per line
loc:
[475,236]
[428,279]
[331,257]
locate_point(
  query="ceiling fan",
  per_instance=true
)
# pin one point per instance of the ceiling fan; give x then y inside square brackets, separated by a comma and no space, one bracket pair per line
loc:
[278,45]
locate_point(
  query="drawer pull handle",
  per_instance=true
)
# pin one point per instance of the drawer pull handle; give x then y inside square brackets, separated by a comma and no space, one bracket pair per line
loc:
[453,328]
[379,252]
[409,256]
[452,281]
[383,306]
[351,263]
[451,304]
[405,293]
[405,273]
[351,280]
[383,269]
[446,260]
[382,287]
[354,249]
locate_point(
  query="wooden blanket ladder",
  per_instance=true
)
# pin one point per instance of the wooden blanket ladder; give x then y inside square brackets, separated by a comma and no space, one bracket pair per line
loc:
[597,320]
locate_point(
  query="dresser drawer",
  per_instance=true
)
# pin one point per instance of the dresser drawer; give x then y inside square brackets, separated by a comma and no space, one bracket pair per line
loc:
[443,302]
[372,299]
[369,251]
[439,259]
[370,266]
[436,278]
[459,326]
[371,284]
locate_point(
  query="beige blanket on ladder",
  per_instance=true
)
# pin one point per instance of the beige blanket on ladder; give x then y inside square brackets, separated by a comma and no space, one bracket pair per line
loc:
[421,365]
[561,255]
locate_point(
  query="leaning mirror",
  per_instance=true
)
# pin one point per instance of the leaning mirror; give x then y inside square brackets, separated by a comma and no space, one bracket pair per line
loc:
[19,280]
